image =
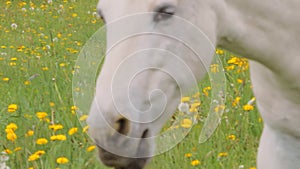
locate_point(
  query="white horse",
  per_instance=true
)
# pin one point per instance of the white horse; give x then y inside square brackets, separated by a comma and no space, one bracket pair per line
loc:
[266,32]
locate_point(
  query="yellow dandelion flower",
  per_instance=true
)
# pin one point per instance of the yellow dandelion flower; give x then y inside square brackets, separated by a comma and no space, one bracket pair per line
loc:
[252,167]
[240,81]
[205,90]
[214,68]
[62,160]
[236,101]
[195,162]
[248,107]
[91,148]
[12,126]
[53,138]
[8,151]
[40,152]
[17,149]
[41,141]
[220,52]
[47,120]
[7,130]
[33,157]
[74,15]
[11,136]
[5,79]
[43,7]
[186,123]
[41,115]
[231,137]
[45,68]
[85,129]
[78,43]
[27,82]
[12,108]
[74,108]
[231,67]
[74,51]
[193,110]
[60,137]
[56,127]
[196,104]
[73,131]
[188,155]
[51,104]
[233,60]
[12,63]
[62,64]
[83,117]
[59,35]
[223,154]
[94,21]
[185,99]
[29,133]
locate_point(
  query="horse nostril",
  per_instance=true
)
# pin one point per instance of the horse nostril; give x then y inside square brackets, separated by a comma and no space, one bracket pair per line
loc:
[122,126]
[145,134]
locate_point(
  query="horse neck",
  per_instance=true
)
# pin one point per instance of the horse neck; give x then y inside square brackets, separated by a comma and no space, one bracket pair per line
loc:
[259,30]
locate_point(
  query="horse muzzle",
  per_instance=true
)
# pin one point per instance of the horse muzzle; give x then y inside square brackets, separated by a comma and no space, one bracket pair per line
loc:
[118,162]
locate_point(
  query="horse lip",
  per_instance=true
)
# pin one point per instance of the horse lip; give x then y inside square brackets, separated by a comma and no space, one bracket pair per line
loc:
[112,160]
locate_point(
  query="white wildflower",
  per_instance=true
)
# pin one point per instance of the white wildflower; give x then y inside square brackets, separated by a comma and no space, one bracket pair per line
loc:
[14,26]
[55,39]
[241,166]
[3,159]
[183,107]
[96,15]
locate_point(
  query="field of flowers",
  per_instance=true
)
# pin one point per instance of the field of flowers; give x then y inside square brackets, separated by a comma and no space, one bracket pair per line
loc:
[39,128]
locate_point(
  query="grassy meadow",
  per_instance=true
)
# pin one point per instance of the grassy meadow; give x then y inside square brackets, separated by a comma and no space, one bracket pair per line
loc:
[39,127]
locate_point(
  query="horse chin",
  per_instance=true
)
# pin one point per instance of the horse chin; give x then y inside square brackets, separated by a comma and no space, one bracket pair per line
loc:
[118,162]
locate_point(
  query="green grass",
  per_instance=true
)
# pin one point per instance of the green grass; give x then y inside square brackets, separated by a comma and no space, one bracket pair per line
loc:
[42,51]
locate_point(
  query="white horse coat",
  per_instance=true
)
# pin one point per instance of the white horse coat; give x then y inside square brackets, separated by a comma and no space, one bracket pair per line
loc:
[266,32]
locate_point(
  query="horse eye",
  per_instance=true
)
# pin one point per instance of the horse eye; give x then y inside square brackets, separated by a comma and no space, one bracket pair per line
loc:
[164,12]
